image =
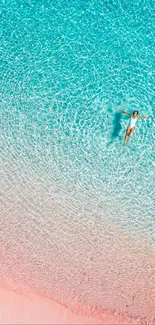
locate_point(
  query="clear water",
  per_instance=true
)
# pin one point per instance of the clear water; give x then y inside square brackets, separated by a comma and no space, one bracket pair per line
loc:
[67,67]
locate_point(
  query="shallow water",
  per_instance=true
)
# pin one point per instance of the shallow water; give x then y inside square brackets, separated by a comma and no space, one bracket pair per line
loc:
[67,68]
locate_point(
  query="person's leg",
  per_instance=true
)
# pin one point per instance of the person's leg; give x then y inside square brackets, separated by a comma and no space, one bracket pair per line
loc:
[131,131]
[128,130]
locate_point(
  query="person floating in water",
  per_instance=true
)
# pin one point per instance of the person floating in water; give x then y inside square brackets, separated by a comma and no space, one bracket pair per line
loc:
[131,126]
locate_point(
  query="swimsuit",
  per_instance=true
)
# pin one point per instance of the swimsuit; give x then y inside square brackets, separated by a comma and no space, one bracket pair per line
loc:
[132,122]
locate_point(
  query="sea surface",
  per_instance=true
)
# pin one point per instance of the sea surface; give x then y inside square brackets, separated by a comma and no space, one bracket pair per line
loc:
[67,68]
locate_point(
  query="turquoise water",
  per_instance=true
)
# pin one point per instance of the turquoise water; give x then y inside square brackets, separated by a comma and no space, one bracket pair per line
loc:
[67,68]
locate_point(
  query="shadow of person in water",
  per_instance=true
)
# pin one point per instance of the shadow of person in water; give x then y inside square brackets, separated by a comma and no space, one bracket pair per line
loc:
[116,127]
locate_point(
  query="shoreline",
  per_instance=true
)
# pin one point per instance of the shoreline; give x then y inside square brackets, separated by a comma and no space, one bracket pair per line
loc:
[29,307]
[33,308]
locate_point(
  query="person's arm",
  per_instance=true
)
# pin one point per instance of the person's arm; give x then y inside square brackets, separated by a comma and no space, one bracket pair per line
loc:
[143,116]
[125,113]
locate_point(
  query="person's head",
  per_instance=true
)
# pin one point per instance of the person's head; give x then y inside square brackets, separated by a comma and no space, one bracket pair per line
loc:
[135,113]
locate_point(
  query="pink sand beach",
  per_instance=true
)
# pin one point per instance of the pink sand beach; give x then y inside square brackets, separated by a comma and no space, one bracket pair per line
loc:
[117,289]
[35,309]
